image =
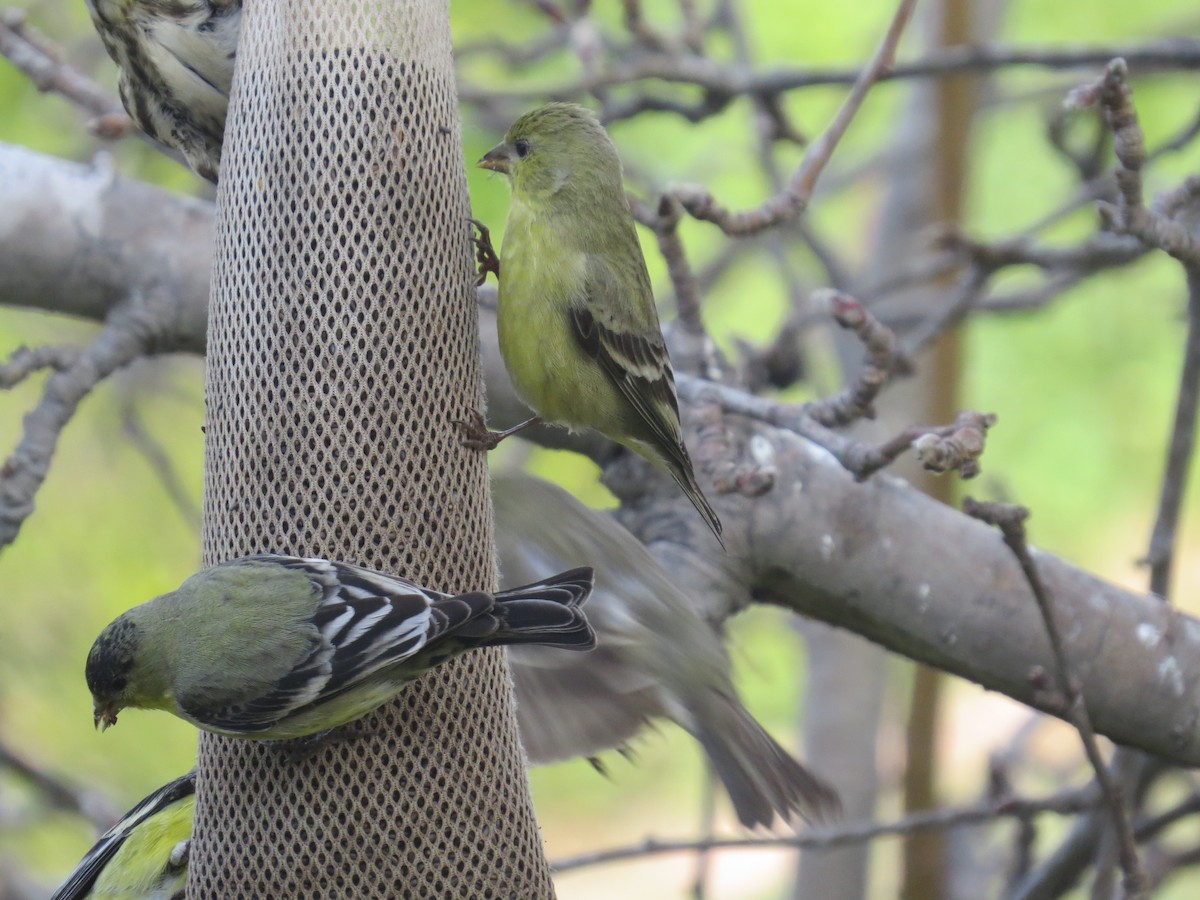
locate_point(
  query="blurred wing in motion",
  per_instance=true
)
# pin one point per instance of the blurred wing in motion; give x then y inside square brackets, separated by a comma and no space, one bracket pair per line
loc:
[656,657]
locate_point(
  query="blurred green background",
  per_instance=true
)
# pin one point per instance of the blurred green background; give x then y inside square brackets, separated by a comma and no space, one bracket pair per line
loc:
[1084,392]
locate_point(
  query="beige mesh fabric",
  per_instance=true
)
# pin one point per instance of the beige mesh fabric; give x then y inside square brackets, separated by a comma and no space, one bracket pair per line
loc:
[342,343]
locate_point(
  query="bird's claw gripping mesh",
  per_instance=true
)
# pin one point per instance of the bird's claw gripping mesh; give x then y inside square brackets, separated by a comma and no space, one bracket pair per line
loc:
[342,345]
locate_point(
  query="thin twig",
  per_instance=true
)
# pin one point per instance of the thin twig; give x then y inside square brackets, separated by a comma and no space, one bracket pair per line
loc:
[1130,215]
[25,361]
[1068,803]
[160,462]
[514,56]
[944,448]
[1159,227]
[1010,520]
[857,401]
[787,204]
[687,295]
[127,335]
[59,793]
[1176,54]
[820,151]
[940,448]
[1152,826]
[1065,266]
[636,24]
[708,820]
[1155,227]
[40,60]
[1180,450]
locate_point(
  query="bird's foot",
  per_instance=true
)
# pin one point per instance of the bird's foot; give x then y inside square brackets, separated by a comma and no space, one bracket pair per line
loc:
[475,433]
[485,253]
[477,436]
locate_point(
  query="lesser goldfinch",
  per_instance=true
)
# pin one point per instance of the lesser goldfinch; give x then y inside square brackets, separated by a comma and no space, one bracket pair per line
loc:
[145,855]
[578,329]
[278,647]
[656,657]
[176,68]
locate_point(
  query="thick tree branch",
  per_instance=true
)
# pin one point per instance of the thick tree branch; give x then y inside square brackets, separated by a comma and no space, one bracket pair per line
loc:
[952,597]
[80,240]
[877,558]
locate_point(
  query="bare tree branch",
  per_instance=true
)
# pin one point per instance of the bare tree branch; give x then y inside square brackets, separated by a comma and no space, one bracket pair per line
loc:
[160,463]
[1011,522]
[1176,54]
[824,838]
[786,205]
[25,362]
[59,793]
[127,335]
[1130,215]
[847,553]
[85,248]
[857,401]
[918,579]
[39,59]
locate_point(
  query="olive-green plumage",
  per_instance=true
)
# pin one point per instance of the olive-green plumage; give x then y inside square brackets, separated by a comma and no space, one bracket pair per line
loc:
[145,855]
[276,647]
[579,331]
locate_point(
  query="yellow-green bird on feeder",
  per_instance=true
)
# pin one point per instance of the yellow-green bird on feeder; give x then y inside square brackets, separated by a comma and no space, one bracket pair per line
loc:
[578,328]
[278,647]
[145,855]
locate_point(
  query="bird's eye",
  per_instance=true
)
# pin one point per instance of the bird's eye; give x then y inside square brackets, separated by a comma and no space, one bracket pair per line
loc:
[119,684]
[522,147]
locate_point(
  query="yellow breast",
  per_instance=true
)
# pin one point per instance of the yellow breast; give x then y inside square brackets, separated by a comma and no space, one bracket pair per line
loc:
[540,275]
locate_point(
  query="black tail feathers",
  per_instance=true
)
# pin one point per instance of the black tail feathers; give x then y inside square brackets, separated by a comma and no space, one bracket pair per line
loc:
[684,477]
[545,612]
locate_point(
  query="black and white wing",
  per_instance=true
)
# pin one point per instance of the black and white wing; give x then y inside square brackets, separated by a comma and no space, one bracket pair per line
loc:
[364,622]
[633,355]
[79,883]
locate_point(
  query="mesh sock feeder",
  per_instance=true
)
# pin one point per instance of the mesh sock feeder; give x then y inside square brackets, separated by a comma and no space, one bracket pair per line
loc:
[342,343]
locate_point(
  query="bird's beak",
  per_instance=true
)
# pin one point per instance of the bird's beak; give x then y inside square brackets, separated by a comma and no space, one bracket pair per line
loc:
[497,159]
[104,716]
